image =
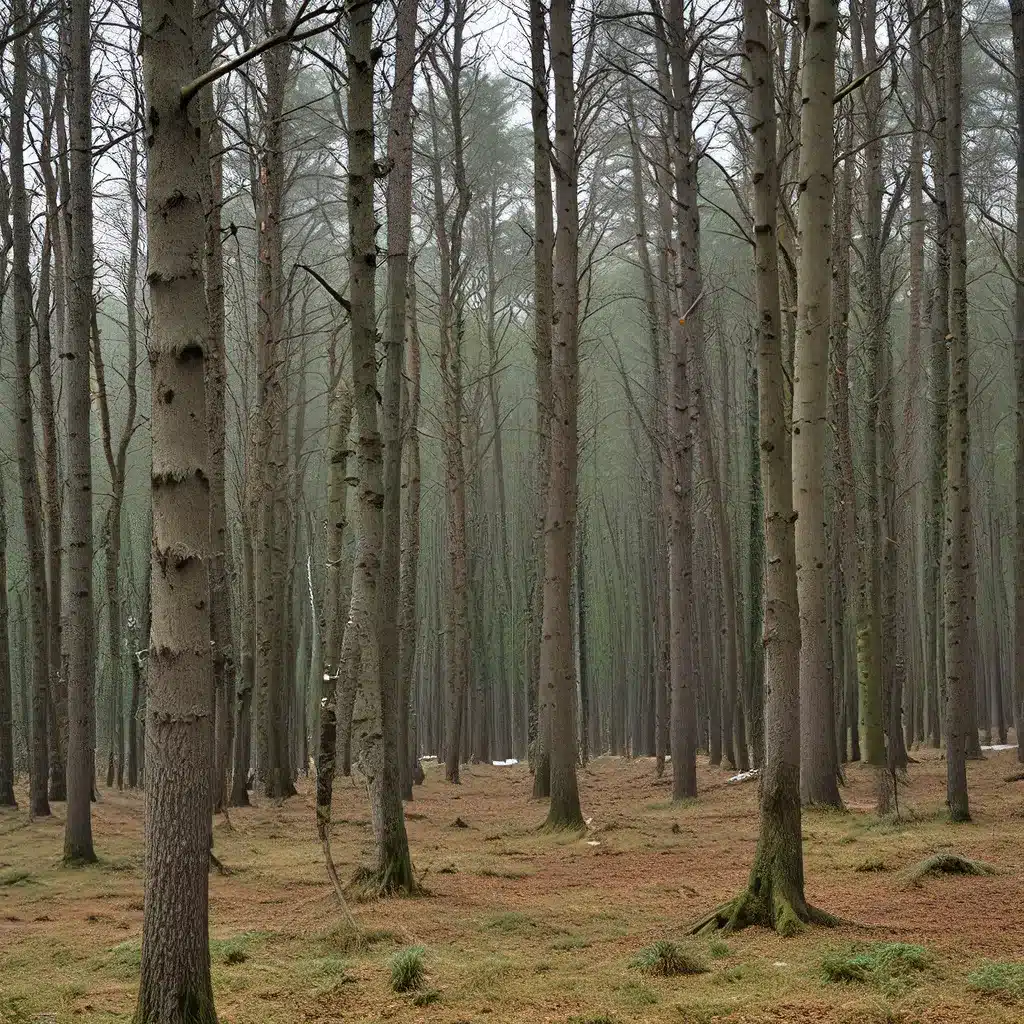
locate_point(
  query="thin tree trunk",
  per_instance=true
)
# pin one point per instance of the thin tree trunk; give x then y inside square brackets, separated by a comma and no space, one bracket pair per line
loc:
[6,700]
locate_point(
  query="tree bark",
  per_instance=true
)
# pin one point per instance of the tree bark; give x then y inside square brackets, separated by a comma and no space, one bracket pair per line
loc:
[20,243]
[818,769]
[958,590]
[6,700]
[374,722]
[175,984]
[539,727]
[557,668]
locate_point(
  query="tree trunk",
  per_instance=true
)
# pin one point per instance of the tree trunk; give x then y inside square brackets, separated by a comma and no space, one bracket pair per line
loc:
[21,243]
[818,769]
[1017,19]
[557,668]
[959,565]
[374,722]
[539,728]
[175,984]
[774,896]
[6,708]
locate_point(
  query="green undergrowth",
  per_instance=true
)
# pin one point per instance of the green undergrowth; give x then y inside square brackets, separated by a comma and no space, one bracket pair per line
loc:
[408,969]
[892,967]
[668,959]
[1005,980]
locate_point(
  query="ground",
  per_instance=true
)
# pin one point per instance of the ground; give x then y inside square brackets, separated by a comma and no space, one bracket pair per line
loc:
[519,925]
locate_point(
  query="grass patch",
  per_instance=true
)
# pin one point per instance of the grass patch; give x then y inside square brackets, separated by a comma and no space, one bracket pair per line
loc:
[407,969]
[513,922]
[889,966]
[15,876]
[998,979]
[871,864]
[668,959]
[125,959]
[718,948]
[947,864]
[342,939]
[428,998]
[502,873]
[591,1018]
[234,950]
[566,942]
[636,995]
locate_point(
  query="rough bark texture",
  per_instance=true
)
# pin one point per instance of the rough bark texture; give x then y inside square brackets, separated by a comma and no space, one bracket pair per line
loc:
[1017,20]
[557,665]
[374,732]
[396,629]
[78,657]
[31,505]
[539,727]
[958,592]
[818,770]
[175,984]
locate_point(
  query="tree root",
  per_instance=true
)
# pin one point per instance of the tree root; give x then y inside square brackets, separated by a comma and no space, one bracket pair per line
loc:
[749,909]
[216,863]
[373,883]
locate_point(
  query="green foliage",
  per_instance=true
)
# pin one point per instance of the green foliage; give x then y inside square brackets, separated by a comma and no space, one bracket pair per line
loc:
[407,969]
[668,959]
[998,979]
[125,959]
[718,948]
[566,942]
[428,998]
[889,966]
[637,995]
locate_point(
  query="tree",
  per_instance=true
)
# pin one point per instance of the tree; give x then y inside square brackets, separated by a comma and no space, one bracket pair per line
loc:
[818,770]
[1017,22]
[557,666]
[374,725]
[79,659]
[175,987]
[6,710]
[774,897]
[958,542]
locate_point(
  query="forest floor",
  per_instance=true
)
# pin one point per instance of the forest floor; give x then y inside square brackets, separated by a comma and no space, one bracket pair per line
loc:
[524,926]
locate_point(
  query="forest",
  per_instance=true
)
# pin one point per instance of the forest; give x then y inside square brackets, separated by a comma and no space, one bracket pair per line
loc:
[511,510]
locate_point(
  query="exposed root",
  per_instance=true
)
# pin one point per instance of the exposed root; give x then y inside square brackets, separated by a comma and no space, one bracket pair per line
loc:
[947,864]
[1016,777]
[749,909]
[216,863]
[392,879]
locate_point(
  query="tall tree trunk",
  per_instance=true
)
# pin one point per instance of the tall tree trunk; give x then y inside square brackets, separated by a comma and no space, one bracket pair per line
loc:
[557,669]
[539,728]
[1017,19]
[774,896]
[399,204]
[374,728]
[818,768]
[407,638]
[175,984]
[959,565]
[77,612]
[20,242]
